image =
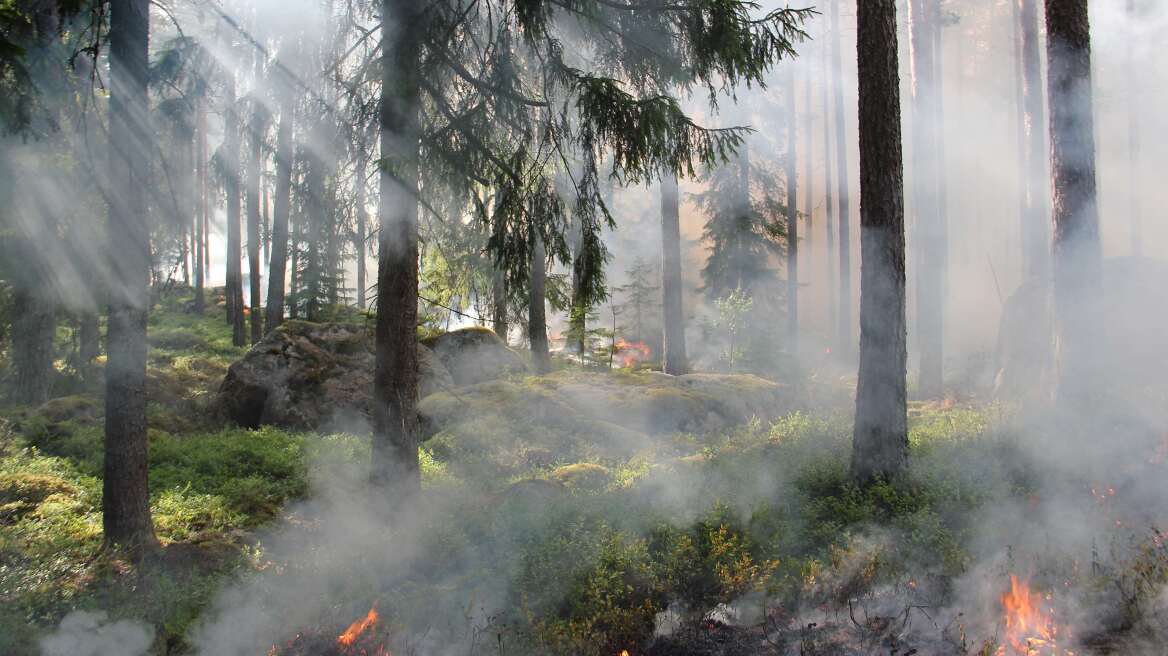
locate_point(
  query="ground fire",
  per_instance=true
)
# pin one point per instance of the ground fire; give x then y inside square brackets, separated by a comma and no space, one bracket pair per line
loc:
[361,638]
[628,354]
[1030,624]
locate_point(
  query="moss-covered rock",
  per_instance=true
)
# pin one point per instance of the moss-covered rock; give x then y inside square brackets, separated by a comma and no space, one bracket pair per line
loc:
[583,476]
[475,355]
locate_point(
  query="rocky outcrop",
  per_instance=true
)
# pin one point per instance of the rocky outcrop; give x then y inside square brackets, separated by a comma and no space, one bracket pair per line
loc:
[475,355]
[307,375]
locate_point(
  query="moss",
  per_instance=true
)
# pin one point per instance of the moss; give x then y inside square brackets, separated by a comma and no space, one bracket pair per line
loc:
[583,476]
[68,408]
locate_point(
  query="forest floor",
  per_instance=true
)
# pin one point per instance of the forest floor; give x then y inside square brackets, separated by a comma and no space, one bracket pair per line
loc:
[747,541]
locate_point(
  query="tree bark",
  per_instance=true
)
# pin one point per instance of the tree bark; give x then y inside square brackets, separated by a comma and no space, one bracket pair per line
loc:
[1035,233]
[362,224]
[1077,252]
[34,326]
[808,163]
[254,161]
[829,205]
[125,492]
[1133,137]
[841,152]
[395,466]
[880,438]
[277,267]
[792,220]
[930,242]
[234,265]
[673,359]
[200,202]
[499,299]
[536,317]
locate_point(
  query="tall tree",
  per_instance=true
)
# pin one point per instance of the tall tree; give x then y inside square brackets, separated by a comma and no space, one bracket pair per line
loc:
[1077,252]
[395,380]
[277,267]
[229,159]
[674,359]
[924,16]
[536,317]
[1035,235]
[255,134]
[880,438]
[200,203]
[125,493]
[809,160]
[841,159]
[1134,107]
[792,220]
[829,202]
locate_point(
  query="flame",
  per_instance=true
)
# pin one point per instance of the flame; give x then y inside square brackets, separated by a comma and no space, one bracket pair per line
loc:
[630,353]
[1030,625]
[355,629]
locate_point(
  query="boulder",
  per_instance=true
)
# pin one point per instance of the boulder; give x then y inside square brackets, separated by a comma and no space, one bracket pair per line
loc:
[307,375]
[475,355]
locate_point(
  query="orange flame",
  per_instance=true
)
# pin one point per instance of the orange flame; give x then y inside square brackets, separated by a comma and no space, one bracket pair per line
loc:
[630,353]
[355,629]
[1030,626]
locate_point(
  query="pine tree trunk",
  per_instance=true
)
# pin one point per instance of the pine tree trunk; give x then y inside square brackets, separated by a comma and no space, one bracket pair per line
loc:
[846,347]
[673,359]
[1077,253]
[1133,137]
[395,382]
[33,329]
[201,204]
[362,227]
[829,205]
[808,164]
[499,299]
[536,316]
[578,315]
[277,267]
[923,15]
[234,264]
[125,492]
[254,161]
[89,337]
[792,221]
[1035,235]
[880,440]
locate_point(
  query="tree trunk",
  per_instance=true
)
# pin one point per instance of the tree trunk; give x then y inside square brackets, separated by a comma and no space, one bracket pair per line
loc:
[499,298]
[234,277]
[201,203]
[34,326]
[673,358]
[880,440]
[1133,136]
[89,337]
[930,245]
[1077,255]
[829,205]
[277,267]
[792,221]
[578,314]
[1035,237]
[536,317]
[125,493]
[254,161]
[395,381]
[808,164]
[362,226]
[841,153]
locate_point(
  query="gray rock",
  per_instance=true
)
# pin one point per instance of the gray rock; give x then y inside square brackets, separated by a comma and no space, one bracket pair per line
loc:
[475,355]
[305,375]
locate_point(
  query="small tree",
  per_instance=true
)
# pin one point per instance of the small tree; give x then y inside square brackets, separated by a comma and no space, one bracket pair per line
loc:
[641,297]
[732,312]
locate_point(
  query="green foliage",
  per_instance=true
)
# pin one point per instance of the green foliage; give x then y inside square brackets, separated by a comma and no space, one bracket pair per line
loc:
[732,311]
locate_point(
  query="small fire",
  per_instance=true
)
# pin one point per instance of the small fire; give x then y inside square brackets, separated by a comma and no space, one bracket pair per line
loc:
[630,353]
[1031,629]
[355,629]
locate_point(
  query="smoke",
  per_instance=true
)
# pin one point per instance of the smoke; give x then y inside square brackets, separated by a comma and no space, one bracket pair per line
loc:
[84,633]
